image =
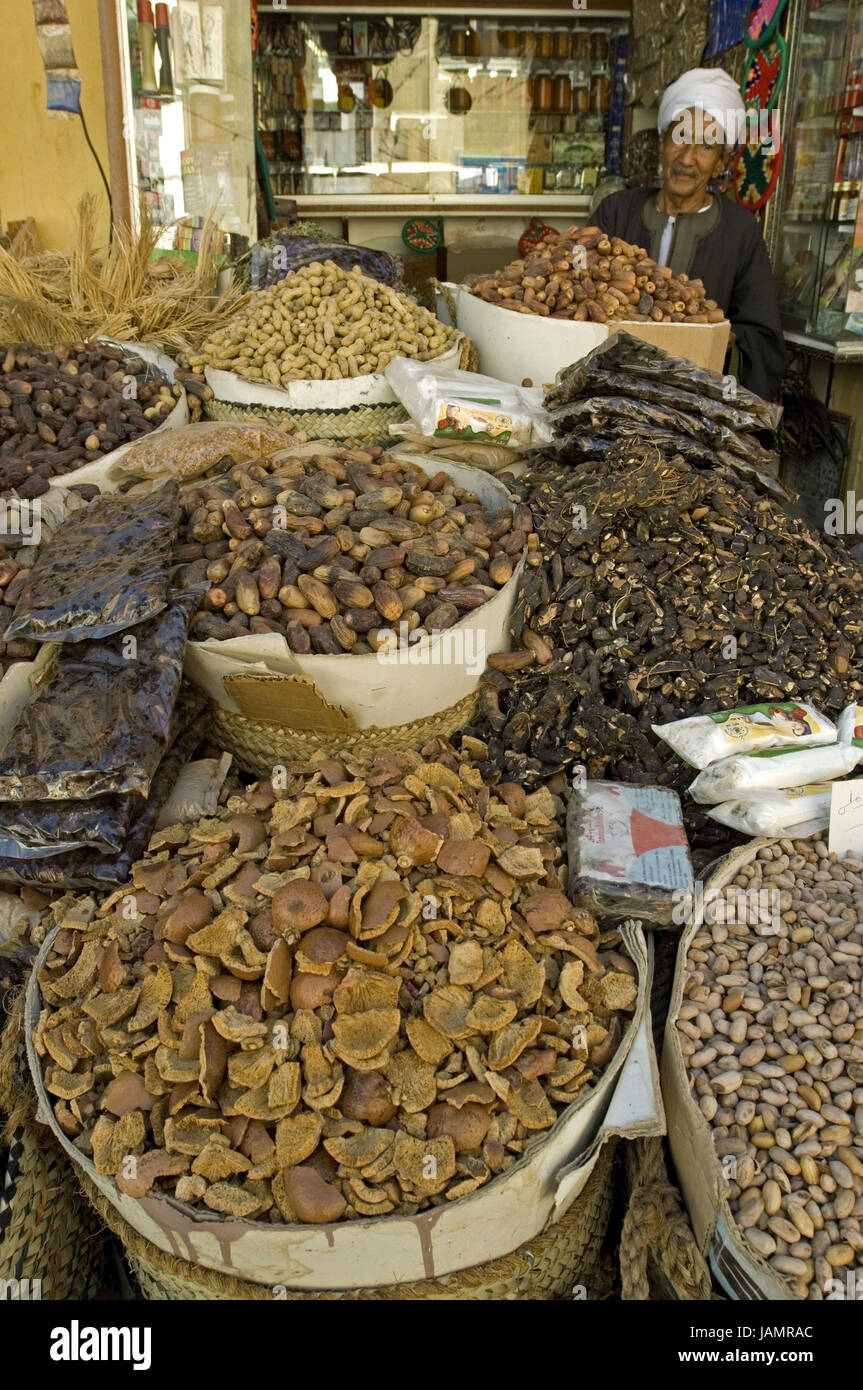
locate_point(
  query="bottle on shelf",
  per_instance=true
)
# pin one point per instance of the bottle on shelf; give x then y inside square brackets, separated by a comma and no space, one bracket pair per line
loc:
[163,43]
[147,45]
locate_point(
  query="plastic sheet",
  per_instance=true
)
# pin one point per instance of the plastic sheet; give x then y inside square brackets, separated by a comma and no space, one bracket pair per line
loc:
[193,450]
[103,571]
[101,718]
[291,253]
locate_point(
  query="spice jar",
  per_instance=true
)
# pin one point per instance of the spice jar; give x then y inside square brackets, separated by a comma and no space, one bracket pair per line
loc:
[600,92]
[560,42]
[543,91]
[510,40]
[544,42]
[581,98]
[580,45]
[599,46]
[491,39]
[562,93]
[457,42]
[473,45]
[528,41]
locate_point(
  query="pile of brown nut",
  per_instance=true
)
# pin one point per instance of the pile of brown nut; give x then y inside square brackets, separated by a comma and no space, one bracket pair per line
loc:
[364,992]
[585,275]
[771,1030]
[333,550]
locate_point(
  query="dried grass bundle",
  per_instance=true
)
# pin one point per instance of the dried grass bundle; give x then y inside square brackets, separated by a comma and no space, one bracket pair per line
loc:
[113,291]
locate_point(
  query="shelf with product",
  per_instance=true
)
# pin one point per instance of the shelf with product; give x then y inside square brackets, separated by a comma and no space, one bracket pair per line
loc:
[434,104]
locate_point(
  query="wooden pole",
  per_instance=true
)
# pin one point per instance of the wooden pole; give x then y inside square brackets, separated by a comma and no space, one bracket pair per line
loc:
[112,77]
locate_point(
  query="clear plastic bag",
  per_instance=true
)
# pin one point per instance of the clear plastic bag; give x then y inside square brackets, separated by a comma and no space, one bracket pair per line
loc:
[603,413]
[663,395]
[467,407]
[193,450]
[104,570]
[101,718]
[628,852]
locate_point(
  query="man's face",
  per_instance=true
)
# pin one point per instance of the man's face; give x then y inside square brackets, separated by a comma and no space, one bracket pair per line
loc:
[692,153]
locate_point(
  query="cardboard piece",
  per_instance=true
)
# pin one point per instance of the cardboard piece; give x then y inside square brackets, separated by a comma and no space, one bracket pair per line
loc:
[513,347]
[289,701]
[379,690]
[486,1225]
[845,835]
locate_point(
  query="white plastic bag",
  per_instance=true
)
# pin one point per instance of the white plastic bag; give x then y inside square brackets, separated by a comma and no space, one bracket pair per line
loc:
[850,725]
[775,812]
[465,406]
[196,791]
[747,774]
[703,738]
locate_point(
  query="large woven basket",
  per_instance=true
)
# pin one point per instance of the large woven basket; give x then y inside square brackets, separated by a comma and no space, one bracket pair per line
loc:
[550,1266]
[359,425]
[258,746]
[49,1234]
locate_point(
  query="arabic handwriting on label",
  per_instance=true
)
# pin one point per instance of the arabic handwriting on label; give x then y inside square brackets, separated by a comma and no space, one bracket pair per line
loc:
[846,817]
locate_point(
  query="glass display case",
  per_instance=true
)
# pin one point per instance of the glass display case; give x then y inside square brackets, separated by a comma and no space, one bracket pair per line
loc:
[189,113]
[430,104]
[819,261]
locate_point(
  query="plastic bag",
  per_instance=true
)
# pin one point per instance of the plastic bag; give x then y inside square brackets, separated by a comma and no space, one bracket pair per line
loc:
[605,412]
[704,738]
[196,791]
[776,812]
[465,406]
[750,773]
[492,458]
[850,725]
[89,868]
[292,252]
[101,718]
[624,353]
[664,395]
[193,450]
[104,570]
[628,852]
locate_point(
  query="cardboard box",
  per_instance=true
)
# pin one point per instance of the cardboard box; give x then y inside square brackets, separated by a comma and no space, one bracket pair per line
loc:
[516,347]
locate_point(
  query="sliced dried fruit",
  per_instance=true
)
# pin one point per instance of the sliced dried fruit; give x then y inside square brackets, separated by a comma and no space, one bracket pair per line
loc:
[486,1014]
[465,963]
[509,1042]
[412,1080]
[297,1137]
[310,1197]
[427,1042]
[359,1036]
[424,1165]
[447,1008]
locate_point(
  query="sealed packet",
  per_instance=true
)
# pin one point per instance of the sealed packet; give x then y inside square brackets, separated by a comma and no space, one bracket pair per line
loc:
[776,812]
[747,774]
[464,406]
[193,450]
[703,738]
[104,570]
[628,852]
[101,718]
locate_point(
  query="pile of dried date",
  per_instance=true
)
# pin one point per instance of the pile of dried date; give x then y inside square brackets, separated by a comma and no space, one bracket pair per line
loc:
[64,408]
[362,992]
[662,590]
[333,550]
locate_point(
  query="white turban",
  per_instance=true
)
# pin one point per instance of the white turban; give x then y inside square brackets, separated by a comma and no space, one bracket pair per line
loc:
[711,90]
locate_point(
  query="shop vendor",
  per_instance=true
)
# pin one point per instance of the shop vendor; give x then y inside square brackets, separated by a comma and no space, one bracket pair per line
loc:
[682,225]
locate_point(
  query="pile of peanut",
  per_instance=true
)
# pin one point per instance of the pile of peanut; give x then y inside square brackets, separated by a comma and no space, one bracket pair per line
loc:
[585,275]
[771,1029]
[333,550]
[323,323]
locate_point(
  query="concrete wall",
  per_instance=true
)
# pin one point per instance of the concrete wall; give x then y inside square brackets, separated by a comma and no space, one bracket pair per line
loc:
[46,163]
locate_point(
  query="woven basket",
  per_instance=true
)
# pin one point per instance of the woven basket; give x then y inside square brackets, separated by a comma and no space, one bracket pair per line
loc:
[48,1232]
[359,425]
[659,1256]
[258,746]
[547,1267]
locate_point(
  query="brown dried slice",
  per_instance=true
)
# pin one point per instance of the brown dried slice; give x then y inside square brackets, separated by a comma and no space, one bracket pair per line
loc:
[471,1090]
[307,1194]
[424,1165]
[466,1126]
[446,1009]
[427,1042]
[489,914]
[568,983]
[283,1087]
[193,911]
[299,906]
[297,1137]
[366,1097]
[585,951]
[320,949]
[617,990]
[469,857]
[487,1014]
[522,861]
[190,1188]
[412,1080]
[67,1084]
[377,909]
[100,1139]
[363,956]
[59,1050]
[107,1009]
[215,1163]
[313,991]
[252,1068]
[219,937]
[358,1150]
[237,1027]
[156,991]
[82,975]
[509,1042]
[360,1036]
[147,1169]
[565,1070]
[172,1067]
[362,990]
[190,1134]
[523,974]
[317,1070]
[412,843]
[112,971]
[434,775]
[465,963]
[529,1103]
[464,1188]
[127,1140]
[127,1092]
[545,910]
[213,1060]
[231,1199]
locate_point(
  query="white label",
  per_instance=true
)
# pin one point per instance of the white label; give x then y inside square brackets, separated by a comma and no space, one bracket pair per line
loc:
[846,817]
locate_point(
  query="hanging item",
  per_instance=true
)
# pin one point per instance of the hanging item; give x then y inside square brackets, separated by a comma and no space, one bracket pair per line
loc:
[380,92]
[756,172]
[765,75]
[763,21]
[62,78]
[534,234]
[458,101]
[727,25]
[423,233]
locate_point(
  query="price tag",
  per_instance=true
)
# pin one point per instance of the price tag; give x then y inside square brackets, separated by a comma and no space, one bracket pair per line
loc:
[846,818]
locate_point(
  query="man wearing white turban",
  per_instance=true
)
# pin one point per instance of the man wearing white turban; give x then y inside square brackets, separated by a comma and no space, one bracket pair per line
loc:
[713,239]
